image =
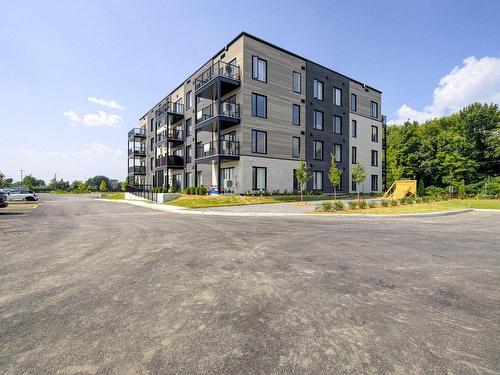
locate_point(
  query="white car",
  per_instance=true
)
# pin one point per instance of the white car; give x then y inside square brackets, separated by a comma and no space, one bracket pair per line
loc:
[22,194]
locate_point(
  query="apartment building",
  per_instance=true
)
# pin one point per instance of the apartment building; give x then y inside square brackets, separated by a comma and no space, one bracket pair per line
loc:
[244,120]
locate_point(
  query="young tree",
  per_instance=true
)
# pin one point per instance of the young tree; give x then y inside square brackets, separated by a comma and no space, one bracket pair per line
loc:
[124,185]
[334,175]
[2,179]
[302,175]
[102,186]
[358,176]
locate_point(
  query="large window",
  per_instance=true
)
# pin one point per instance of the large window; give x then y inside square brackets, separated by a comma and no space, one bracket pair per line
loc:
[296,114]
[189,100]
[259,105]
[295,182]
[189,179]
[318,89]
[317,180]
[296,82]
[259,69]
[374,182]
[259,178]
[189,127]
[295,147]
[259,142]
[374,158]
[354,155]
[152,124]
[374,133]
[337,124]
[354,128]
[318,120]
[337,151]
[318,150]
[354,102]
[337,96]
[189,156]
[374,109]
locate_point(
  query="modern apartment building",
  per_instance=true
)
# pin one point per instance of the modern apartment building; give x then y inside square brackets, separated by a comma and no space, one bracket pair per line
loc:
[244,120]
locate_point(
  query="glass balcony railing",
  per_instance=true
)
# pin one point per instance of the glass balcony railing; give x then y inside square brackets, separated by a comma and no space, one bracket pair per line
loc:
[137,132]
[229,148]
[227,109]
[137,151]
[171,135]
[138,169]
[170,107]
[170,160]
[220,68]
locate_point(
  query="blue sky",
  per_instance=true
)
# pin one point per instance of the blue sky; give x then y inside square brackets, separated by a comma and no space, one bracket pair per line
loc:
[55,55]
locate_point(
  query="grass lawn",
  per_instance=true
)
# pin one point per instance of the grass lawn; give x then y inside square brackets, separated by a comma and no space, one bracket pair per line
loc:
[454,204]
[116,196]
[204,201]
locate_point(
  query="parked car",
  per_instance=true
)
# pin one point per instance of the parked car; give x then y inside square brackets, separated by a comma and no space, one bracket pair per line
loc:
[3,200]
[22,194]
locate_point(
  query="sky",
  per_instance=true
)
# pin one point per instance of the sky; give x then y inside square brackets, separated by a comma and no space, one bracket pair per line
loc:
[75,76]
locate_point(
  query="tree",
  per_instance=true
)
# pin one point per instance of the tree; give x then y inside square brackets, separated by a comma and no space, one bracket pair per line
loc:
[30,181]
[94,183]
[124,186]
[302,175]
[420,188]
[358,175]
[103,186]
[2,179]
[334,175]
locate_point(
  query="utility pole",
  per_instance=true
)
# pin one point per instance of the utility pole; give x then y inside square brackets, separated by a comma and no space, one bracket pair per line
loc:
[21,170]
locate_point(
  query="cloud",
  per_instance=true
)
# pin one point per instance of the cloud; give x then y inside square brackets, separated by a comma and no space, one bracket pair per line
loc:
[100,118]
[107,103]
[478,80]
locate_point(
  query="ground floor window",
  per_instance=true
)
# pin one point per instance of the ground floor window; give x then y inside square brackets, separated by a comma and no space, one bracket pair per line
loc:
[189,179]
[199,177]
[177,181]
[227,175]
[295,182]
[259,178]
[317,180]
[374,182]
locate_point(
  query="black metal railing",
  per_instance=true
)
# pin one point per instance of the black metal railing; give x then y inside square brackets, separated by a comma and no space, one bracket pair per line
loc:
[137,169]
[137,151]
[227,109]
[228,148]
[143,191]
[170,160]
[137,132]
[170,107]
[171,135]
[220,68]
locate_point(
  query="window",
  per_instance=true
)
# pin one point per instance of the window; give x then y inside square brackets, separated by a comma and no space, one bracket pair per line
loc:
[259,178]
[374,182]
[259,142]
[295,114]
[374,133]
[189,100]
[189,179]
[259,69]
[318,150]
[354,102]
[295,147]
[354,155]
[199,177]
[295,183]
[354,128]
[374,158]
[317,180]
[353,185]
[189,127]
[318,120]
[227,177]
[259,105]
[152,144]
[318,89]
[152,125]
[337,151]
[151,163]
[296,82]
[337,124]
[337,96]
[178,152]
[374,109]
[188,154]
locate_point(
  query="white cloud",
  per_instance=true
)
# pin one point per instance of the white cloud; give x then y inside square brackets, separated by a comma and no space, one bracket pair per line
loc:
[107,103]
[100,118]
[478,80]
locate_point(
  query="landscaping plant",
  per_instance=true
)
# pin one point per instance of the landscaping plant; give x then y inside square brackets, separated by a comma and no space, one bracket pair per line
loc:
[334,175]
[362,204]
[302,174]
[352,205]
[358,176]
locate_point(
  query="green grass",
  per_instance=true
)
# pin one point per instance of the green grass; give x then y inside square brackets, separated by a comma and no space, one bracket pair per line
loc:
[204,201]
[116,196]
[451,205]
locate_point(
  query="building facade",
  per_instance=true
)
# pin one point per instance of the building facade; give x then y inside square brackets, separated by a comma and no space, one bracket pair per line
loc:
[244,120]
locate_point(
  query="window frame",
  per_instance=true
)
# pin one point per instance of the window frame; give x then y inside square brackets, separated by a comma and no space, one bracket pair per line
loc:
[315,174]
[354,154]
[322,120]
[298,149]
[255,75]
[335,90]
[355,102]
[189,99]
[254,177]
[371,109]
[335,117]
[339,159]
[354,128]
[375,136]
[255,114]
[294,107]
[374,152]
[294,73]
[315,150]
[316,85]
[376,182]
[254,141]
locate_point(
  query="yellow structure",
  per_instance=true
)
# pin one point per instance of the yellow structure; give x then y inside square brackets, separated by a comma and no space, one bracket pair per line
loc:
[402,188]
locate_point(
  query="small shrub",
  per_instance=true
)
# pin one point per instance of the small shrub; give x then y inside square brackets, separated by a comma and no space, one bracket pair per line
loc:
[295,192]
[403,201]
[338,206]
[425,199]
[393,202]
[352,205]
[202,190]
[362,204]
[384,203]
[276,192]
[285,192]
[418,200]
[372,204]
[326,206]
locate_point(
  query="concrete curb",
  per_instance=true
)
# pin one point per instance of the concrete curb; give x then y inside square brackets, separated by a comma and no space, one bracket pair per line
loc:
[188,211]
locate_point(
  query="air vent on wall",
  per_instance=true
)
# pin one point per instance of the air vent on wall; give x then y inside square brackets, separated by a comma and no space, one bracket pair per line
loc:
[222,56]
[303,67]
[302,132]
[302,100]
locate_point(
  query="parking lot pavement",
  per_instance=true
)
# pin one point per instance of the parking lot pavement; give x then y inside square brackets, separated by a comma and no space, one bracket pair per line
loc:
[89,287]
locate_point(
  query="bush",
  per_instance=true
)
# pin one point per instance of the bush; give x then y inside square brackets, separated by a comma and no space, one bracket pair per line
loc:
[362,204]
[425,199]
[403,201]
[372,204]
[434,191]
[295,192]
[326,206]
[384,203]
[393,202]
[352,205]
[338,206]
[202,190]
[276,192]
[418,200]
[285,192]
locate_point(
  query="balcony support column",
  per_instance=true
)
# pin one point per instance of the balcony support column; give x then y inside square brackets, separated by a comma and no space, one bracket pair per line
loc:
[195,146]
[218,135]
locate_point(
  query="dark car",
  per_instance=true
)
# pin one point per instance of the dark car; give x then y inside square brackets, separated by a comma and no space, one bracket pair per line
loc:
[3,200]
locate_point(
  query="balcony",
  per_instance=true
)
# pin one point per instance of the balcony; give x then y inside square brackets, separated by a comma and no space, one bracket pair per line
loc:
[230,150]
[175,136]
[173,109]
[137,151]
[221,73]
[137,133]
[229,115]
[170,161]
[138,169]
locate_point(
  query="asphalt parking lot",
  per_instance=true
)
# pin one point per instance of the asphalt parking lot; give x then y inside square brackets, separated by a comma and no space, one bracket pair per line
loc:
[92,287]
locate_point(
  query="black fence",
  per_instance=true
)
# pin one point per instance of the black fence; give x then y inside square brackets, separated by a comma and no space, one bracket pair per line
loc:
[143,191]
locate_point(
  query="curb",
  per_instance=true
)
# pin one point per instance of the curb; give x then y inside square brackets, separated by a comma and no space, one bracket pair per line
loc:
[188,211]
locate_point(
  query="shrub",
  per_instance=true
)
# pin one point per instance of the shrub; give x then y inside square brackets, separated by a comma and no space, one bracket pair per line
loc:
[326,206]
[352,205]
[338,206]
[393,202]
[434,191]
[362,204]
[285,192]
[403,201]
[276,192]
[425,199]
[295,192]
[372,204]
[384,203]
[202,190]
[418,200]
